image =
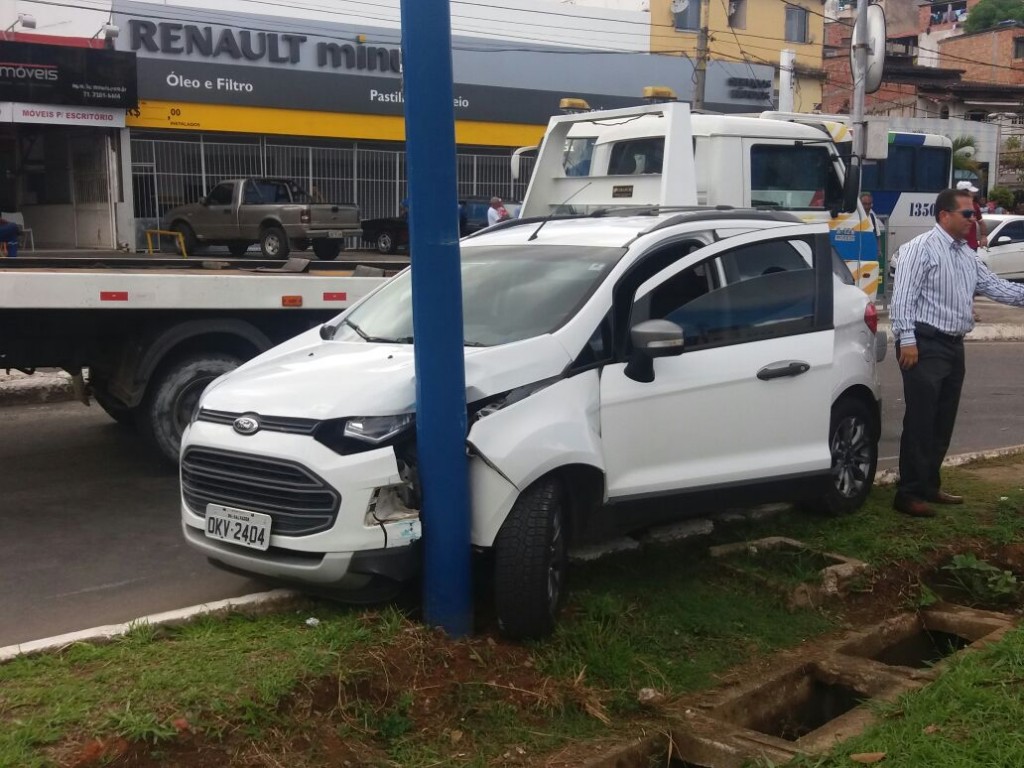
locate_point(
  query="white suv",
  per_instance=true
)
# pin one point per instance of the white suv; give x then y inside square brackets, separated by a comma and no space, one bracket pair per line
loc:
[621,371]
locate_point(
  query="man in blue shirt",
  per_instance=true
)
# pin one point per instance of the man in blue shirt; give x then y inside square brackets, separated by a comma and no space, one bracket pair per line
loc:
[937,276]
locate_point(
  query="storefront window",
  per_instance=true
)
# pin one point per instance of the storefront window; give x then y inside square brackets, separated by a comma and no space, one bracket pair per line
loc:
[44,169]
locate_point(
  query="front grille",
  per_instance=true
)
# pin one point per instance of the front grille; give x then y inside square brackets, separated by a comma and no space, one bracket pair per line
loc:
[267,423]
[299,502]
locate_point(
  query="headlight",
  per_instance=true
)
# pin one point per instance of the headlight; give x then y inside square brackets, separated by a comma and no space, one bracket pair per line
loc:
[377,429]
[363,433]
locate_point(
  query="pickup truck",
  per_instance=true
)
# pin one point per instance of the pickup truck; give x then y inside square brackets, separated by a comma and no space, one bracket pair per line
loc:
[275,213]
[390,233]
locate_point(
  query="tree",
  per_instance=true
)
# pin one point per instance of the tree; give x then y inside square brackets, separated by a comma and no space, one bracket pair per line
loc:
[988,13]
[1011,159]
[964,161]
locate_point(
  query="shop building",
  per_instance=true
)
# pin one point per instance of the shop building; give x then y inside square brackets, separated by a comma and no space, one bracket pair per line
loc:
[62,116]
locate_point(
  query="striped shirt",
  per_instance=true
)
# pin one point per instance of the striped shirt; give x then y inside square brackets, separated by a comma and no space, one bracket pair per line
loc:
[936,280]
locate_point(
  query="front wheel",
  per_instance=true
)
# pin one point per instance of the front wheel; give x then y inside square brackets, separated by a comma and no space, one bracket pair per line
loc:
[188,238]
[531,559]
[326,249]
[172,396]
[853,443]
[274,243]
[387,242]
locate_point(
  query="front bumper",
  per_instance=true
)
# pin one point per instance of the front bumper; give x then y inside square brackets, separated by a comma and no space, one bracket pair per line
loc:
[351,552]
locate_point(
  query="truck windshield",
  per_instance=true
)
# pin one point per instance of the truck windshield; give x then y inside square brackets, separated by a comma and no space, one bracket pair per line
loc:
[509,293]
[793,176]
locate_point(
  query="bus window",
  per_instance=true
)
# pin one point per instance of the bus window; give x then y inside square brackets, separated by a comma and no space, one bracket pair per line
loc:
[932,169]
[899,168]
[792,176]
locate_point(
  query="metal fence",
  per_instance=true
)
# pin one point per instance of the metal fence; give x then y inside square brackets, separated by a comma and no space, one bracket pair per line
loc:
[168,172]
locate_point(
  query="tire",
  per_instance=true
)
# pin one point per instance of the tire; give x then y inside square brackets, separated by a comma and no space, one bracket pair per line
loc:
[115,409]
[853,443]
[531,558]
[387,242]
[238,250]
[274,243]
[188,235]
[172,395]
[326,249]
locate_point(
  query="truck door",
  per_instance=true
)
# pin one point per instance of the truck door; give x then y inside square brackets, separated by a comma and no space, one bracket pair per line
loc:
[216,220]
[257,198]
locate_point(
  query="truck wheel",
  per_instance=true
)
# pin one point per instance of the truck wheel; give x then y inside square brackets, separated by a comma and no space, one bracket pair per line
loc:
[853,443]
[172,396]
[387,242]
[188,235]
[274,243]
[238,249]
[531,557]
[326,249]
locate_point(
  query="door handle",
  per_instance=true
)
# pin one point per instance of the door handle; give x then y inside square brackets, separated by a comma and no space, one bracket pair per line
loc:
[779,370]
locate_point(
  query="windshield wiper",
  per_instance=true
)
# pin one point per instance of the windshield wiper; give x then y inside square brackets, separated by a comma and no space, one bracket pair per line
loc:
[356,328]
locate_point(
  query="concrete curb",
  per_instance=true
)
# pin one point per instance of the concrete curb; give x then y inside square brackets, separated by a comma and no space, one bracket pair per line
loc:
[111,631]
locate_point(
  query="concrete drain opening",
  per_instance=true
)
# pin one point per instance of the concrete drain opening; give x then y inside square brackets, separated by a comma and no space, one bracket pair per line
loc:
[792,706]
[920,641]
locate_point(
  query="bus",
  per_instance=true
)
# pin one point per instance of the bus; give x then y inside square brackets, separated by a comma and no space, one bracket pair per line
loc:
[904,185]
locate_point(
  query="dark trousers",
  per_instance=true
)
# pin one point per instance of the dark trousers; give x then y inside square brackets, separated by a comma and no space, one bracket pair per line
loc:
[8,232]
[931,392]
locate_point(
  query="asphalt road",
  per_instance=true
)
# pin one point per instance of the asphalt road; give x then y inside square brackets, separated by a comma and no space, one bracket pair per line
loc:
[89,528]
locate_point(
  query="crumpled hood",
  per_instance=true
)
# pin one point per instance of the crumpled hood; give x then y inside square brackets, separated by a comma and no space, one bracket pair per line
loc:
[314,379]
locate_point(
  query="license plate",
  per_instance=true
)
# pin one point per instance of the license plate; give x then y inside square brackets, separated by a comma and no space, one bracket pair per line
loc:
[335,234]
[237,526]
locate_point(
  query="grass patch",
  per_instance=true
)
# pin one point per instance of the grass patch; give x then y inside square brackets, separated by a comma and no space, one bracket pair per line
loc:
[375,688]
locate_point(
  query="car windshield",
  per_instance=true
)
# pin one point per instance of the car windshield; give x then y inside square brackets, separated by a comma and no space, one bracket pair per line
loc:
[509,293]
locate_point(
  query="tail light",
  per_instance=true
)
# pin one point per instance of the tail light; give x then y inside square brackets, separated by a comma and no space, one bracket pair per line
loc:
[305,217]
[871,317]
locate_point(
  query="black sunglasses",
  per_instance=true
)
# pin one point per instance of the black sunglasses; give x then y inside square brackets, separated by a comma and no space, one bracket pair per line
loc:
[967,213]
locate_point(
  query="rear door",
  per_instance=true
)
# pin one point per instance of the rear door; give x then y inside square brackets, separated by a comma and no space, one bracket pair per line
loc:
[749,399]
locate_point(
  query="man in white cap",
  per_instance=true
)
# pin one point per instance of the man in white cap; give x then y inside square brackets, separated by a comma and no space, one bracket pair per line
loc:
[977,235]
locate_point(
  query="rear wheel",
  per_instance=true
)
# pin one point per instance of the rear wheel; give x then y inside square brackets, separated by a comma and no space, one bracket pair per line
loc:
[326,249]
[531,558]
[188,235]
[853,442]
[172,396]
[114,408]
[274,243]
[387,242]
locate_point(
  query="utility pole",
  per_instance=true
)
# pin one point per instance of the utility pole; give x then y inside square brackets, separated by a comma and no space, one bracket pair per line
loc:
[701,71]
[860,73]
[787,60]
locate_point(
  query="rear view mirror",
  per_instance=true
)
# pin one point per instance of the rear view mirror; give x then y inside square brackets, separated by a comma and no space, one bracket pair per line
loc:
[651,339]
[1002,240]
[204,201]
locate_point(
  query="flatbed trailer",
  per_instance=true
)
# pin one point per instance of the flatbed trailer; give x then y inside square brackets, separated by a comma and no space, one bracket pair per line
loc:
[144,337]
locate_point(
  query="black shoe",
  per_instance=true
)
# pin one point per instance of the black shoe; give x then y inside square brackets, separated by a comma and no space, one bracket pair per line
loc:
[941,497]
[913,507]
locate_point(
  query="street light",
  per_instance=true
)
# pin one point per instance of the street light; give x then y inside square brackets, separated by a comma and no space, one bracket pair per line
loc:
[26,20]
[109,32]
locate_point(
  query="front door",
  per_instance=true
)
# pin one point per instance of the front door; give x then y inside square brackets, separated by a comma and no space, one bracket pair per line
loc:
[749,398]
[216,220]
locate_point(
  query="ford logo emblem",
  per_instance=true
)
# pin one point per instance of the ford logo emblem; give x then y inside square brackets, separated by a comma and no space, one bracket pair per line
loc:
[246,425]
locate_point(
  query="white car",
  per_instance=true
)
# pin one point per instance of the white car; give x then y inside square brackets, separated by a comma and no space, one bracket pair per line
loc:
[1005,252]
[621,371]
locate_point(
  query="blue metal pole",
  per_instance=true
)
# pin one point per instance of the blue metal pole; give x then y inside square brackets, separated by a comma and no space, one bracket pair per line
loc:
[437,313]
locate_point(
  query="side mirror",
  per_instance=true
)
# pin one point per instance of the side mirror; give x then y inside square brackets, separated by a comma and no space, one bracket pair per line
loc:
[204,201]
[1002,240]
[651,339]
[851,186]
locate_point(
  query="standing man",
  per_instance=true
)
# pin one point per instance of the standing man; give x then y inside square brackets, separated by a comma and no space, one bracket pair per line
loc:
[978,234]
[937,276]
[496,212]
[868,202]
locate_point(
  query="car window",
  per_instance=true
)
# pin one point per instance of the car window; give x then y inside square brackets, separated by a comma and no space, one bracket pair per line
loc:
[251,195]
[637,156]
[270,192]
[1014,230]
[800,176]
[222,194]
[769,290]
